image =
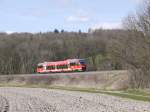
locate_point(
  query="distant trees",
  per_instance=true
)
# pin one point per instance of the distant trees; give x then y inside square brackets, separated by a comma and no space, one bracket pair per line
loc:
[80,31]
[62,31]
[56,31]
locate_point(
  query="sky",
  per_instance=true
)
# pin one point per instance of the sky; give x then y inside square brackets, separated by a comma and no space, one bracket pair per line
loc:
[70,15]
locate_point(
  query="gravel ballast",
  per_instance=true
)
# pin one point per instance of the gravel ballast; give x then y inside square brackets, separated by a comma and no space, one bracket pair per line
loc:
[14,99]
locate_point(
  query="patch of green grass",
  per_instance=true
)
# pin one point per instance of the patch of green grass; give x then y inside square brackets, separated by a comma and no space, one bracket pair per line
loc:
[130,96]
[122,94]
[138,92]
[139,95]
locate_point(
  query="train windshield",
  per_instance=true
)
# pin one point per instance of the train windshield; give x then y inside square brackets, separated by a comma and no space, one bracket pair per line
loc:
[82,62]
[40,66]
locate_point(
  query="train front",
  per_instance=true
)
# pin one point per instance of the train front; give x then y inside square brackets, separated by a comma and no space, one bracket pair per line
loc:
[82,64]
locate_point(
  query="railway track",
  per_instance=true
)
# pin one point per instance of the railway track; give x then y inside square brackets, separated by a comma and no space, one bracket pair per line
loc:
[114,79]
[70,73]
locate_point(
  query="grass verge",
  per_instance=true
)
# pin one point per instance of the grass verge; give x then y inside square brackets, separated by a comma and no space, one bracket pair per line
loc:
[140,95]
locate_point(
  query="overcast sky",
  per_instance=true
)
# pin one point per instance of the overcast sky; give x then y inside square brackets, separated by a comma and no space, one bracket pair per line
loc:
[70,15]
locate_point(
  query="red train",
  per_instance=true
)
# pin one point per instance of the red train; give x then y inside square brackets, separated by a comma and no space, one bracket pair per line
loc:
[69,65]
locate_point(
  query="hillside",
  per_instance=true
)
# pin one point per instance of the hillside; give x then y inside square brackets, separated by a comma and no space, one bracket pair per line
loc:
[21,52]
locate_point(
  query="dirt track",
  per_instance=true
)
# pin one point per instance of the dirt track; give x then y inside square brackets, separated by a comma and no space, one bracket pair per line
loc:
[43,100]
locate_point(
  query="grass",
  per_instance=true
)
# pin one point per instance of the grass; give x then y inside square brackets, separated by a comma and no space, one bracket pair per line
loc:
[135,94]
[130,96]
[138,92]
[141,96]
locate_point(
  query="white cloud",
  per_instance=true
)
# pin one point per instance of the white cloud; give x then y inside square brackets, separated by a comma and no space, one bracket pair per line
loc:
[137,1]
[9,32]
[35,13]
[63,2]
[78,18]
[107,25]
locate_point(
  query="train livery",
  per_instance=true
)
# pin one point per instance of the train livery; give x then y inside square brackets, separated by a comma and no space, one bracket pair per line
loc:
[69,65]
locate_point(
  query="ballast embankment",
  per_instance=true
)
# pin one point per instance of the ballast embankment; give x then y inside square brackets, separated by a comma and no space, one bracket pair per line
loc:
[111,80]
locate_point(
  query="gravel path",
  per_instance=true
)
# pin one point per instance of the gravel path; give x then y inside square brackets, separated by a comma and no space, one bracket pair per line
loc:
[43,100]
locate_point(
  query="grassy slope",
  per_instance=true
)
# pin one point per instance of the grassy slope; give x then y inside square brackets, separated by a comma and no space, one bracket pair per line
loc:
[141,95]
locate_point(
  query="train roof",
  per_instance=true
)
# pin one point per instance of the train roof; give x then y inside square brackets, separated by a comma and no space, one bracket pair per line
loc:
[60,62]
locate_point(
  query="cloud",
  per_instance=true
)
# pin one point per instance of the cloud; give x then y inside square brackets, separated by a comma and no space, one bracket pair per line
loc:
[63,2]
[78,18]
[107,25]
[137,1]
[35,13]
[9,32]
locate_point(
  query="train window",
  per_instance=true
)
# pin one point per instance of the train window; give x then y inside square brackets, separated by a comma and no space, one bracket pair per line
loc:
[62,66]
[74,64]
[40,66]
[65,66]
[58,67]
[50,67]
[82,62]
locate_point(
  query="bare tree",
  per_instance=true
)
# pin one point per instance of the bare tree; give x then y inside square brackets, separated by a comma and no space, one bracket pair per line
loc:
[135,48]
